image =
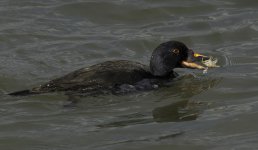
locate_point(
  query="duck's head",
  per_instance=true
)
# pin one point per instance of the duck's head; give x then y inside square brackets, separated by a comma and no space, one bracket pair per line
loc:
[173,54]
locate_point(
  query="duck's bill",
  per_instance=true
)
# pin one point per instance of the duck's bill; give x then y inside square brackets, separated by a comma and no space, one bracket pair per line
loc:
[196,55]
[192,58]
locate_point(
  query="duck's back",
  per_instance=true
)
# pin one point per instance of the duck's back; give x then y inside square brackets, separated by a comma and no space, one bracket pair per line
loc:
[103,76]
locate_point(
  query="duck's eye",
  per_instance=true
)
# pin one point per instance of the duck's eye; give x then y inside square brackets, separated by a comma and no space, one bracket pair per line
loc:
[175,51]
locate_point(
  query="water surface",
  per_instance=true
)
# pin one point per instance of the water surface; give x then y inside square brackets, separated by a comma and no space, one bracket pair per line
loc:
[44,39]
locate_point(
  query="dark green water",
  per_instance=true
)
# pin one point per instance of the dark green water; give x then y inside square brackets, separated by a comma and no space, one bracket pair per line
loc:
[41,40]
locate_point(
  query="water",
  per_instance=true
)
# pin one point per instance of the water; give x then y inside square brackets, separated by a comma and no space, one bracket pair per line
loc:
[44,39]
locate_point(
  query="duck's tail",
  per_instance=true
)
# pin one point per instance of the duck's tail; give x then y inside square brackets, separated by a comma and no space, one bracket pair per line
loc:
[22,93]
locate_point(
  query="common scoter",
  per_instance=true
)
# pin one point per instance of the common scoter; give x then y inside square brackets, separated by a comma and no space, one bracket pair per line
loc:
[122,76]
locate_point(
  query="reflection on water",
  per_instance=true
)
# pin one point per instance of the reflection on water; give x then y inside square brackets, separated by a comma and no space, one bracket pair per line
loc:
[179,111]
[185,109]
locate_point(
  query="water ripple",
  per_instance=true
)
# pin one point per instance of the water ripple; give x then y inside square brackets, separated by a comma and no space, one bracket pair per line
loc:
[44,39]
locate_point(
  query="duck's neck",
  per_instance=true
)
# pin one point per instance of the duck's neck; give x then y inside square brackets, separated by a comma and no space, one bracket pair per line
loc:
[158,67]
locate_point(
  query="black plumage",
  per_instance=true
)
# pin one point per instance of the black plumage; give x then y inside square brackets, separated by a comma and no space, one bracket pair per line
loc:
[122,76]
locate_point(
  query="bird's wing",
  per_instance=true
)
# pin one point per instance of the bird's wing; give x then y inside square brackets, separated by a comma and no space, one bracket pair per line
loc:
[101,76]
